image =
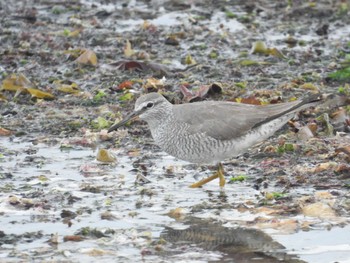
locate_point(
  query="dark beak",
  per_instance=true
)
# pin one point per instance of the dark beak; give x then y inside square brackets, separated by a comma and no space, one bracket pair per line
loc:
[131,116]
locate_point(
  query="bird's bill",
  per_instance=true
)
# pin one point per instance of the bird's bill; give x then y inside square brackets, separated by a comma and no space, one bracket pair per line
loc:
[128,118]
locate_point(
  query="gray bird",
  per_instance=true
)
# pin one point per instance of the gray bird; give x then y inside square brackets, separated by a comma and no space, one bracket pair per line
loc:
[209,132]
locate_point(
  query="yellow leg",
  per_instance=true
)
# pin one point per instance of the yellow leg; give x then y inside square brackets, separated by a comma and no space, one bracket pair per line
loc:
[221,174]
[218,174]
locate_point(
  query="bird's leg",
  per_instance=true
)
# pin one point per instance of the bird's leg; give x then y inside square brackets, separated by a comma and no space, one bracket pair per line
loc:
[221,175]
[218,174]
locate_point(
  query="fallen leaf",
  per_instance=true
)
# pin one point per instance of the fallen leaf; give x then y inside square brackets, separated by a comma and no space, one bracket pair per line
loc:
[309,86]
[285,226]
[142,66]
[5,132]
[344,149]
[19,83]
[148,26]
[94,252]
[259,47]
[324,118]
[177,213]
[16,82]
[128,51]
[105,156]
[340,115]
[74,33]
[40,94]
[153,84]
[186,93]
[189,60]
[324,167]
[134,152]
[276,53]
[87,58]
[67,88]
[313,127]
[319,210]
[172,40]
[324,195]
[304,133]
[250,100]
[107,215]
[72,238]
[130,65]
[90,169]
[249,62]
[344,170]
[2,97]
[125,85]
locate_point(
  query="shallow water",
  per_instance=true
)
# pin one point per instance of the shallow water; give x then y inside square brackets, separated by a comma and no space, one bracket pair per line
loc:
[138,218]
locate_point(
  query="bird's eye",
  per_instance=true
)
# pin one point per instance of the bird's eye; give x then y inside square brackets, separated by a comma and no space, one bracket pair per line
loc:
[150,104]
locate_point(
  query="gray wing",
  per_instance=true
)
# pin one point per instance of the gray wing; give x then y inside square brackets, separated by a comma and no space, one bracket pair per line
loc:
[228,120]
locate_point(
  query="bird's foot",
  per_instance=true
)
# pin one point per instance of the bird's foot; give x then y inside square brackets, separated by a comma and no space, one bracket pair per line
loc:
[218,174]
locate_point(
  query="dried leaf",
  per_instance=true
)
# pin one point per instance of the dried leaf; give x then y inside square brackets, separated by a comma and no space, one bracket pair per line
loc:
[128,51]
[5,132]
[189,60]
[177,213]
[148,26]
[275,52]
[105,156]
[134,152]
[74,33]
[94,252]
[343,169]
[40,94]
[142,66]
[130,65]
[188,96]
[339,116]
[73,53]
[68,88]
[248,62]
[324,195]
[172,40]
[2,97]
[319,210]
[90,169]
[125,85]
[73,238]
[202,91]
[250,100]
[16,83]
[304,133]
[309,86]
[87,58]
[345,149]
[284,226]
[259,47]
[324,167]
[313,127]
[324,118]
[153,84]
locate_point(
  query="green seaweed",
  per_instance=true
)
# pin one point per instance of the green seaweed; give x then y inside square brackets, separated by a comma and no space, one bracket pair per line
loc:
[340,75]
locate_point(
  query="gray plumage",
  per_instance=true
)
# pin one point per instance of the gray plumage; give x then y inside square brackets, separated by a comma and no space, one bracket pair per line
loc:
[211,131]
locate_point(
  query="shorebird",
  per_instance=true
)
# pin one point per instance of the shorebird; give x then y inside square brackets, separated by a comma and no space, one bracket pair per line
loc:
[209,132]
